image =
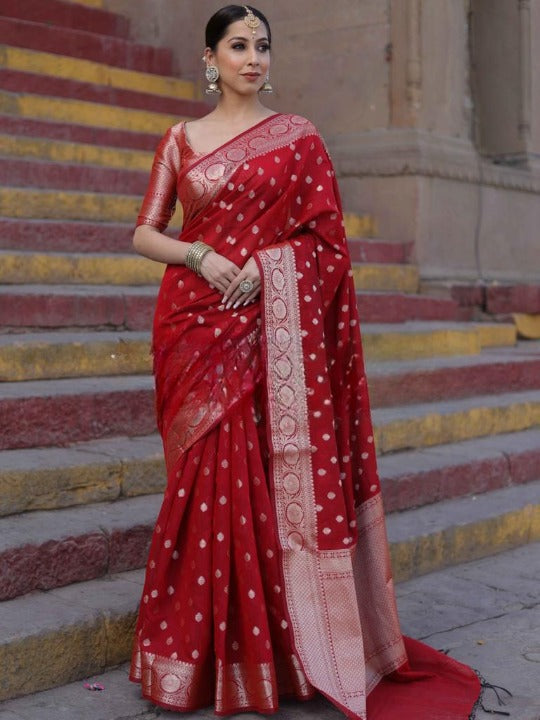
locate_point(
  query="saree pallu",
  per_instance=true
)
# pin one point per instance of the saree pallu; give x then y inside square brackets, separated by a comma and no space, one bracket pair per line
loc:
[269,572]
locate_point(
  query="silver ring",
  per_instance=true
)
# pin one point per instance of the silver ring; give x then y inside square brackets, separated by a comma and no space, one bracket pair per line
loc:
[246,286]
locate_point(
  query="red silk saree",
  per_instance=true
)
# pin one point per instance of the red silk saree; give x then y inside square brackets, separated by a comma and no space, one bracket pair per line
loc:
[268,573]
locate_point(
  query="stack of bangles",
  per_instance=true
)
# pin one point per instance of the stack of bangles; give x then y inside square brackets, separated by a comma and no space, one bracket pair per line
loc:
[195,255]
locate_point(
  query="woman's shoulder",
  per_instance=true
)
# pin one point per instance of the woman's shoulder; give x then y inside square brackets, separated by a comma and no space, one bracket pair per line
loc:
[302,126]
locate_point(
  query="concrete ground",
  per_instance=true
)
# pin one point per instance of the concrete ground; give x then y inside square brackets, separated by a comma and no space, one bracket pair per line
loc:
[485,613]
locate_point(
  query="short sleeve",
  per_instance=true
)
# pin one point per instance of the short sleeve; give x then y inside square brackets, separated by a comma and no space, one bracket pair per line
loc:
[160,199]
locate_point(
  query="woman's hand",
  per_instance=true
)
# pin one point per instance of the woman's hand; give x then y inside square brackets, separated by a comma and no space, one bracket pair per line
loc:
[234,296]
[218,271]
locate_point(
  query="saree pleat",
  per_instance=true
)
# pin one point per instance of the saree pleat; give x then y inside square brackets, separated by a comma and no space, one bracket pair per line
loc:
[212,626]
[269,572]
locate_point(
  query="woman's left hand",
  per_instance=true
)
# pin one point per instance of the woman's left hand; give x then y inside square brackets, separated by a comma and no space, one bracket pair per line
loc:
[234,295]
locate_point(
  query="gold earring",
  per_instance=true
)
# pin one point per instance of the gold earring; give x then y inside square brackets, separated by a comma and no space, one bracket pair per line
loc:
[212,75]
[267,88]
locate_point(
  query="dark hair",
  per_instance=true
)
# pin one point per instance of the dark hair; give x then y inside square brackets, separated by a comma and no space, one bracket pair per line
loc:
[220,21]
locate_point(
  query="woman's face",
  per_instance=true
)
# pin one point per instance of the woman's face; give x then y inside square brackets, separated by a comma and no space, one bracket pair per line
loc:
[243,58]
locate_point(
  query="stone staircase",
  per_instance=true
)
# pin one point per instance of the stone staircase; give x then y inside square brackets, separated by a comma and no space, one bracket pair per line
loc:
[456,401]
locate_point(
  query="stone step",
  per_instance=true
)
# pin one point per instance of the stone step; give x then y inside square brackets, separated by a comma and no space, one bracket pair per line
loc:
[27,173]
[83,628]
[430,424]
[52,65]
[132,307]
[456,531]
[496,370]
[29,203]
[62,14]
[71,132]
[83,473]
[36,356]
[414,478]
[57,151]
[79,112]
[107,469]
[83,44]
[379,276]
[57,87]
[78,629]
[36,204]
[487,600]
[93,307]
[49,549]
[73,236]
[395,307]
[65,235]
[48,355]
[33,413]
[495,299]
[117,269]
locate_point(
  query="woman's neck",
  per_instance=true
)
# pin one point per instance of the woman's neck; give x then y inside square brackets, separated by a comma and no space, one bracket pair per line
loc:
[237,109]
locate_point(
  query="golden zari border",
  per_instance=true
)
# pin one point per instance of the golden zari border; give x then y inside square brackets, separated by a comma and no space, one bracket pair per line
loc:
[319,586]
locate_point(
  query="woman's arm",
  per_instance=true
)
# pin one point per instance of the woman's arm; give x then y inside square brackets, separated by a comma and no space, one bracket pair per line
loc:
[216,269]
[148,241]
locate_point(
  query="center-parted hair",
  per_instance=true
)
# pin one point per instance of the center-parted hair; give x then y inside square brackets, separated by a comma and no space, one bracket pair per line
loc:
[220,21]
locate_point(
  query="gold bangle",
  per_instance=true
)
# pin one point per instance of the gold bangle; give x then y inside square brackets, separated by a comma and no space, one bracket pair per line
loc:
[195,255]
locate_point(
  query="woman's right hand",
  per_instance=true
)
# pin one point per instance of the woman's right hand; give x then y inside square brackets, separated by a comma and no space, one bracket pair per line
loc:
[218,270]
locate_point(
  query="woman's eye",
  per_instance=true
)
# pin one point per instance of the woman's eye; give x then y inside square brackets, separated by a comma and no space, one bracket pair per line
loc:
[238,46]
[264,48]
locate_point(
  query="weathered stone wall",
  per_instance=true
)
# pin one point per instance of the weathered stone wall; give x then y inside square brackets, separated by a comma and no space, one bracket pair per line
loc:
[416,102]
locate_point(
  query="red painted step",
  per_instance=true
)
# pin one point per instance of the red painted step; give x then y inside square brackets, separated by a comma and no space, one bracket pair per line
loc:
[22,82]
[132,308]
[17,172]
[417,478]
[13,125]
[389,307]
[48,549]
[85,45]
[67,14]
[494,371]
[67,236]
[34,413]
[95,307]
[499,299]
[373,250]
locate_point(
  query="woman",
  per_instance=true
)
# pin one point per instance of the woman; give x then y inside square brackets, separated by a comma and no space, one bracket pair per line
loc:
[268,573]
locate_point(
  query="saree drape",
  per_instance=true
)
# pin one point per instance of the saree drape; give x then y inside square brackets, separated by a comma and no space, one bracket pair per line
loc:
[269,572]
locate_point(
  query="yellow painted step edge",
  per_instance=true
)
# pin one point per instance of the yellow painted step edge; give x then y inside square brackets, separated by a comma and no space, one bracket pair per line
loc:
[50,488]
[527,326]
[69,68]
[399,278]
[90,114]
[76,153]
[360,225]
[60,205]
[462,543]
[88,3]
[440,428]
[34,361]
[133,270]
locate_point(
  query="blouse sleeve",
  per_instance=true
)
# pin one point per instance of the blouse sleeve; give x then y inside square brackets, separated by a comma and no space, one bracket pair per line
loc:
[160,199]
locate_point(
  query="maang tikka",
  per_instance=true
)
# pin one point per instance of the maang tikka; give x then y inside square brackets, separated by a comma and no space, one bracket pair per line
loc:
[251,20]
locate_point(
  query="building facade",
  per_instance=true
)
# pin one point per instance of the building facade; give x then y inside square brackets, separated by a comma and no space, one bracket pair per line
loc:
[430,108]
